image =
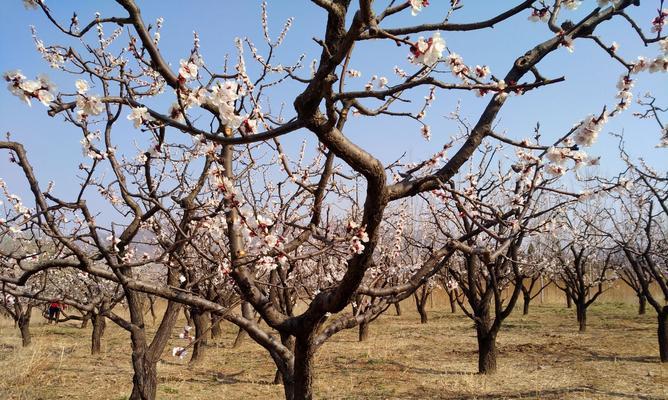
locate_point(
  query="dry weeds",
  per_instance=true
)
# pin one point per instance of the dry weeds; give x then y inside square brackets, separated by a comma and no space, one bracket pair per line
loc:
[541,356]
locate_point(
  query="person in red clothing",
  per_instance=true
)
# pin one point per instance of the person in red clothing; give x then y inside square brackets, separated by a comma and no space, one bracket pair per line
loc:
[54,311]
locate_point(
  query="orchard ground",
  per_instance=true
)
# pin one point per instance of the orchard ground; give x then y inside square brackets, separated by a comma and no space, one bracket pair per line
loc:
[541,355]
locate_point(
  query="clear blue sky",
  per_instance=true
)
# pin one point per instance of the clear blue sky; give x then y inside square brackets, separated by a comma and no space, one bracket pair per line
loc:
[590,75]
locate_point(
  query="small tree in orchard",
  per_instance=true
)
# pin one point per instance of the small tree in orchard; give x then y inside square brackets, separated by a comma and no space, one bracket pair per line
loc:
[210,161]
[494,211]
[532,277]
[585,261]
[638,229]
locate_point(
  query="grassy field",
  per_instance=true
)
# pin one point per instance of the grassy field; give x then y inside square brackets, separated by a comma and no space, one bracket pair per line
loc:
[541,356]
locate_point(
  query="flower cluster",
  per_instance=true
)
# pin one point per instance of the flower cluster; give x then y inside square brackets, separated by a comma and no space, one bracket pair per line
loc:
[660,20]
[588,131]
[359,236]
[139,116]
[428,52]
[416,6]
[40,89]
[624,95]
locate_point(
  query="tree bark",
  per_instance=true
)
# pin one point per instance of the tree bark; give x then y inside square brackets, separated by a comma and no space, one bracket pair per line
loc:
[569,302]
[303,379]
[397,308]
[486,351]
[525,308]
[145,378]
[581,312]
[201,321]
[289,342]
[216,328]
[99,325]
[452,296]
[663,334]
[84,320]
[239,339]
[24,327]
[642,304]
[421,305]
[363,331]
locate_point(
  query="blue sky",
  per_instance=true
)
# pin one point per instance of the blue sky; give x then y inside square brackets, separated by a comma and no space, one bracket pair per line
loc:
[590,75]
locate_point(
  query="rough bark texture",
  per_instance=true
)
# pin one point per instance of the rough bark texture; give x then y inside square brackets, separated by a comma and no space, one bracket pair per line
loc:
[581,312]
[201,321]
[99,325]
[303,379]
[642,304]
[452,296]
[486,352]
[486,335]
[24,326]
[239,339]
[525,308]
[145,378]
[663,334]
[363,331]
[216,328]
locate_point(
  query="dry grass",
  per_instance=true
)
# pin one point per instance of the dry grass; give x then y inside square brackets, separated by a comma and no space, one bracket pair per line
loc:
[541,356]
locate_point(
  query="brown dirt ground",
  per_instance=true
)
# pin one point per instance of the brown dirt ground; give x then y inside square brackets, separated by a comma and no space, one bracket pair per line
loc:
[541,357]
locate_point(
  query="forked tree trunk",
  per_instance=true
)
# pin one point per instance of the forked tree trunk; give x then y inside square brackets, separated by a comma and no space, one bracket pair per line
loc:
[423,314]
[663,334]
[289,342]
[581,312]
[99,325]
[452,296]
[421,305]
[397,308]
[145,378]
[241,334]
[24,327]
[303,378]
[84,320]
[642,304]
[216,328]
[487,352]
[201,321]
[527,300]
[486,335]
[363,331]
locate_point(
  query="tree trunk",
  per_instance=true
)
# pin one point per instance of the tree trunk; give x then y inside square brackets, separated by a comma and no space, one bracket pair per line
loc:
[397,308]
[201,321]
[642,304]
[581,311]
[189,319]
[289,342]
[663,334]
[216,328]
[84,320]
[239,339]
[363,331]
[24,327]
[145,378]
[525,308]
[303,379]
[99,324]
[486,351]
[569,302]
[421,305]
[452,295]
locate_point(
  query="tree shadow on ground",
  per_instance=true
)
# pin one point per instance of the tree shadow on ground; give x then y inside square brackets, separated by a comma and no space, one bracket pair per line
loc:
[594,356]
[557,393]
